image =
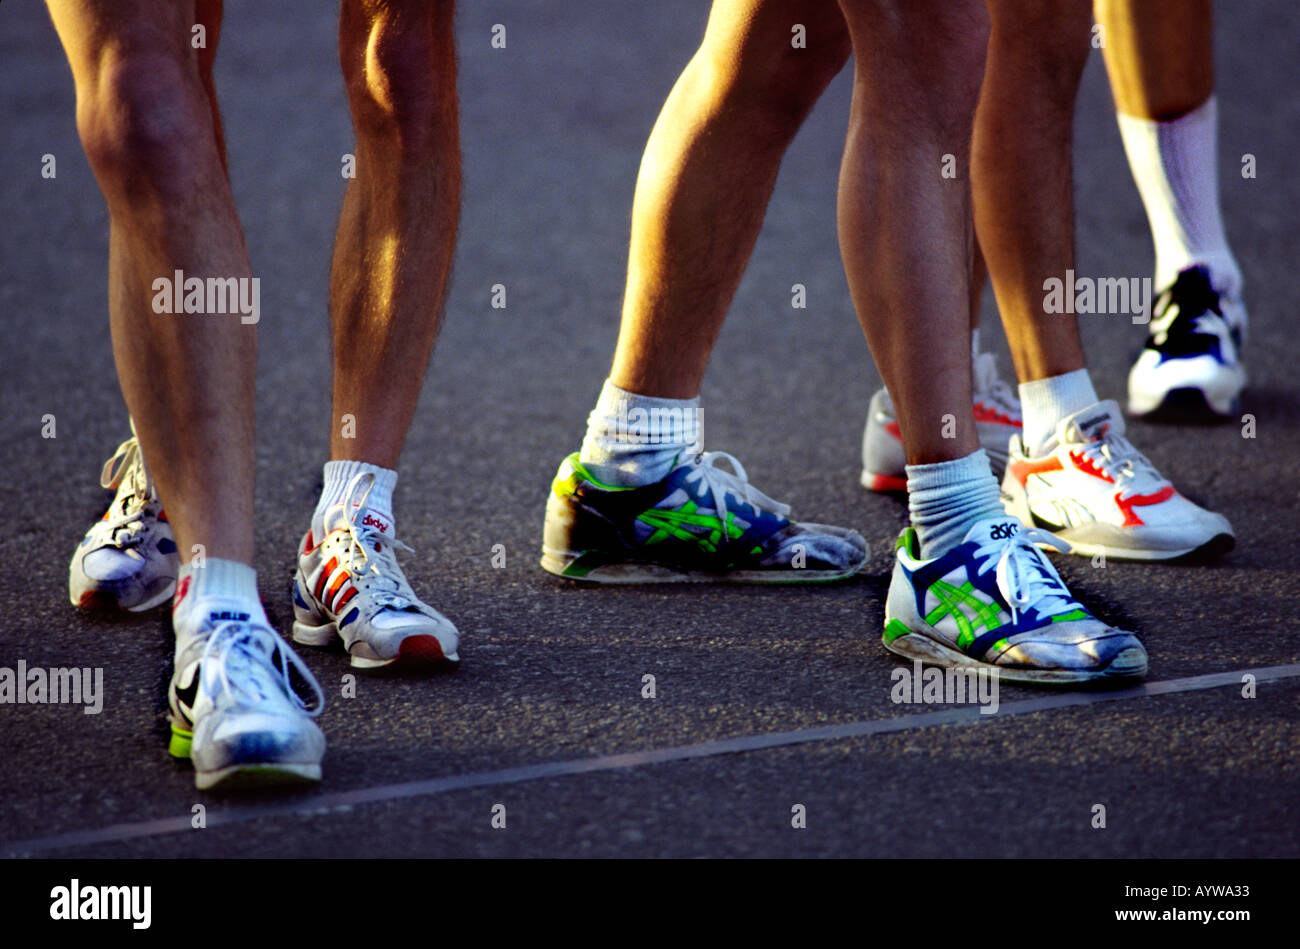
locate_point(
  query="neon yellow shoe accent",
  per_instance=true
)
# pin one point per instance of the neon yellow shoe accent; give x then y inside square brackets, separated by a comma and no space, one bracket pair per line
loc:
[179,746]
[895,628]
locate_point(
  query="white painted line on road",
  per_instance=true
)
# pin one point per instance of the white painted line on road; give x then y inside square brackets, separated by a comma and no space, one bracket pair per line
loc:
[323,803]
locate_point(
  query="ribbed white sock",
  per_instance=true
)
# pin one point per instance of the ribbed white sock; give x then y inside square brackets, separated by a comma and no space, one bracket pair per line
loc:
[634,440]
[338,474]
[947,497]
[1175,167]
[1044,402]
[225,585]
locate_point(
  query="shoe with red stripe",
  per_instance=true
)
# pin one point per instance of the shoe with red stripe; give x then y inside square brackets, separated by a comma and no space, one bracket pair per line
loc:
[1100,495]
[349,586]
[997,418]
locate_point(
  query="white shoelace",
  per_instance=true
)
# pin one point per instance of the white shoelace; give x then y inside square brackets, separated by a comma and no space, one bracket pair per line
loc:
[370,551]
[245,641]
[718,482]
[990,387]
[1024,575]
[1117,458]
[127,464]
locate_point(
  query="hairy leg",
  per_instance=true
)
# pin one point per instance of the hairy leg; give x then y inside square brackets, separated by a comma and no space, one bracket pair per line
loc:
[706,177]
[146,116]
[1021,178]
[905,230]
[397,230]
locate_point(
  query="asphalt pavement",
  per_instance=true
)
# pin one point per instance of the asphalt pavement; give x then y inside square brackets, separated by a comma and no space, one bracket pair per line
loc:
[552,673]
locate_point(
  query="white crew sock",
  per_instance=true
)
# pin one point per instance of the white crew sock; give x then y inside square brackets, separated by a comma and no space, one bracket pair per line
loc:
[946,498]
[338,474]
[1175,167]
[225,585]
[634,440]
[1045,402]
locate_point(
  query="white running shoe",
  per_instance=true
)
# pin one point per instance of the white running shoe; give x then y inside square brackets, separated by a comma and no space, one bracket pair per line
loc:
[997,418]
[1097,493]
[349,586]
[128,559]
[1191,364]
[234,710]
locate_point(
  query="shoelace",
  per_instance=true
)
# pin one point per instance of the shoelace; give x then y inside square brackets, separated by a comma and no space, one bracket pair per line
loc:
[990,387]
[1025,578]
[127,464]
[243,641]
[1115,455]
[370,552]
[718,482]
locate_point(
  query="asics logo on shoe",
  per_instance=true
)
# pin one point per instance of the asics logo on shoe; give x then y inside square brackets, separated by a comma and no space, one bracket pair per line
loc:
[226,616]
[1003,531]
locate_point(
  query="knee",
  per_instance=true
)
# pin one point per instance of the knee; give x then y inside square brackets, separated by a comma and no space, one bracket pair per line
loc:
[1045,42]
[141,118]
[936,45]
[774,83]
[400,73]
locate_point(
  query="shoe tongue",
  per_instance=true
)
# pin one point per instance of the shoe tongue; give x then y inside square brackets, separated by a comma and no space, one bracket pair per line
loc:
[993,529]
[1096,421]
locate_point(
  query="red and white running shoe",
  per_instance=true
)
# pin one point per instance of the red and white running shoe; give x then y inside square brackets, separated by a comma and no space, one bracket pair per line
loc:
[1099,494]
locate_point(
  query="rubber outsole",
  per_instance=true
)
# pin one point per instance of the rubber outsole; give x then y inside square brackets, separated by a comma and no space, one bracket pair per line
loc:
[886,484]
[1129,666]
[244,777]
[420,652]
[1187,406]
[638,572]
[1211,550]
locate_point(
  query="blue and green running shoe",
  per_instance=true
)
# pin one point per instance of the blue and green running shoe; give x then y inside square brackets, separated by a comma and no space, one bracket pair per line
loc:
[701,523]
[995,600]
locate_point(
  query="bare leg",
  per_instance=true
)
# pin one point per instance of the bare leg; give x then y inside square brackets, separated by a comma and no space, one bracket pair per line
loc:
[708,172]
[1159,55]
[1022,182]
[145,114]
[905,230]
[397,231]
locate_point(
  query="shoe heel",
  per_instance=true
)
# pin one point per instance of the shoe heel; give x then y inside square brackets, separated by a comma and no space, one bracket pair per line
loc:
[314,635]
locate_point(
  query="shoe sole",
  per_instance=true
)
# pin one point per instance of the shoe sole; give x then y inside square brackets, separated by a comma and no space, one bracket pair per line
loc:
[1130,665]
[422,651]
[246,776]
[893,484]
[1186,405]
[1211,550]
[886,484]
[633,572]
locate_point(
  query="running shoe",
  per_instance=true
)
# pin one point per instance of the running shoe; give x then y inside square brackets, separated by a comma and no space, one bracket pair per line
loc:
[701,523]
[997,418]
[1096,493]
[128,559]
[235,712]
[996,601]
[1191,364]
[349,587]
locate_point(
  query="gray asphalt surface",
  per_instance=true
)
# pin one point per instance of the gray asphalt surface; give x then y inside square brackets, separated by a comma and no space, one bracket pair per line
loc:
[553,128]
